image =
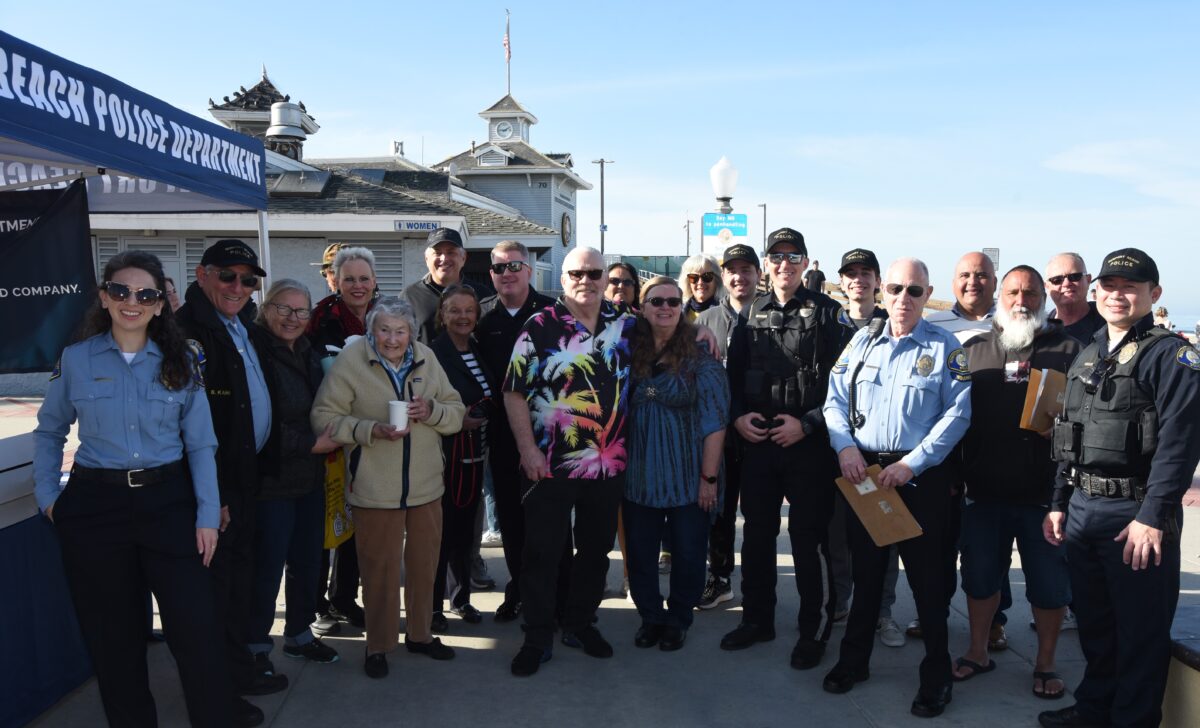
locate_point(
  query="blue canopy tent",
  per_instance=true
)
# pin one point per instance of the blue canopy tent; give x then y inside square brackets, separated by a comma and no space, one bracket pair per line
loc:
[60,121]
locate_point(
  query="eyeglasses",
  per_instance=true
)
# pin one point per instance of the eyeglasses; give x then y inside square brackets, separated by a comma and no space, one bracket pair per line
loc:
[592,274]
[777,258]
[286,311]
[513,266]
[619,282]
[229,276]
[120,292]
[1058,280]
[894,289]
[659,301]
[707,277]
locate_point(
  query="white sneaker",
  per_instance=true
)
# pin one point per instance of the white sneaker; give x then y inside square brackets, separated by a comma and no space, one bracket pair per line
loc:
[1069,621]
[491,539]
[890,633]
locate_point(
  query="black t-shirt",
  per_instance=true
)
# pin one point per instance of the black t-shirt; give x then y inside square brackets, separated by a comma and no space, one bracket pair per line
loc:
[1085,328]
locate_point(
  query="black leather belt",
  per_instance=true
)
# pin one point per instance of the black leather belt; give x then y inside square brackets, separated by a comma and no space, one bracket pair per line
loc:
[130,478]
[884,459]
[1097,485]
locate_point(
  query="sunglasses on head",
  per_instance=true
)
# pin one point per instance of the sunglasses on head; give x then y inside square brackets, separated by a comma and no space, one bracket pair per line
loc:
[513,266]
[592,274]
[707,277]
[621,282]
[229,276]
[778,258]
[894,289]
[660,301]
[1058,280]
[119,292]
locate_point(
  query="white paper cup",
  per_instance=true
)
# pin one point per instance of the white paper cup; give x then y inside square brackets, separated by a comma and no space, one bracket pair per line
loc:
[398,414]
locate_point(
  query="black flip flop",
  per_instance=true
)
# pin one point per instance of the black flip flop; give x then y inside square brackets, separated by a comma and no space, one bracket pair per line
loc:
[975,667]
[1046,677]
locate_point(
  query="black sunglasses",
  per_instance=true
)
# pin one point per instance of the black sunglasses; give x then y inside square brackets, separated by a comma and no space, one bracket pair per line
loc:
[777,258]
[229,276]
[513,266]
[1073,277]
[707,277]
[659,301]
[592,274]
[120,292]
[620,282]
[894,289]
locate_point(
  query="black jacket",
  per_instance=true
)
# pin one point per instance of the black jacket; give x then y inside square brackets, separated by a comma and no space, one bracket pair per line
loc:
[228,394]
[295,377]
[468,387]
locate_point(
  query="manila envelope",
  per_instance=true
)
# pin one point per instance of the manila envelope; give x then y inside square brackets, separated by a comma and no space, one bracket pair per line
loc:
[1043,399]
[881,512]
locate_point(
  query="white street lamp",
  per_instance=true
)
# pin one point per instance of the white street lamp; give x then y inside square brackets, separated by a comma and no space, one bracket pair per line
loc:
[724,178]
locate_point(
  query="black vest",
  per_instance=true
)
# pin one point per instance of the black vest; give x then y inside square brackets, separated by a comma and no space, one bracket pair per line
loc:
[787,349]
[1113,430]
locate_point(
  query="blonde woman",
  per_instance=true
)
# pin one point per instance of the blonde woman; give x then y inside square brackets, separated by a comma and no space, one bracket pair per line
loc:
[700,281]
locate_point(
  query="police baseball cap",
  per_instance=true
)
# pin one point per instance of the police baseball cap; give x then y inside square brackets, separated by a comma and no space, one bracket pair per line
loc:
[740,252]
[445,235]
[1130,263]
[228,253]
[330,253]
[859,256]
[787,235]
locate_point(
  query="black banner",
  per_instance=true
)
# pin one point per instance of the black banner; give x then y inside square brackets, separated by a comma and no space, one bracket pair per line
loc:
[48,278]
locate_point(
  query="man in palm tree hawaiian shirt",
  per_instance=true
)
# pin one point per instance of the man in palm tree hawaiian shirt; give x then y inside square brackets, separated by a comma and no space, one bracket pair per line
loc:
[565,394]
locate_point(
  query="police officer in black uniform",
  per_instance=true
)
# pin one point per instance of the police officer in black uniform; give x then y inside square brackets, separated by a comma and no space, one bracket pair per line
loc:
[784,352]
[1128,443]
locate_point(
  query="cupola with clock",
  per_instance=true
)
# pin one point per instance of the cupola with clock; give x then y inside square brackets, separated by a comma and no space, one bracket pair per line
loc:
[508,121]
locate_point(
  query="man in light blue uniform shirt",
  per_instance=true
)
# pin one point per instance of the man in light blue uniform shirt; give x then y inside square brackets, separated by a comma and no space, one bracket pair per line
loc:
[899,397]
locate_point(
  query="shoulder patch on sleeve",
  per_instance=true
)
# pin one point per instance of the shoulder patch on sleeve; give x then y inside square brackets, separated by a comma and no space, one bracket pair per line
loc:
[1187,356]
[843,318]
[199,361]
[956,364]
[843,360]
[56,372]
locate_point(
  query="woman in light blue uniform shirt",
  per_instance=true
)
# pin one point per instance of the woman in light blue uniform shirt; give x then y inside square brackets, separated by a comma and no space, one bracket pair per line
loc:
[141,507]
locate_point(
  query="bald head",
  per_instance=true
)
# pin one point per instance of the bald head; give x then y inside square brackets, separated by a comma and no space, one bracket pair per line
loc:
[582,270]
[583,258]
[974,285]
[906,290]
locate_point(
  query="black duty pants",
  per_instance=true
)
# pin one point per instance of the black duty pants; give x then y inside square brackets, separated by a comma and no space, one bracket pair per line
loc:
[803,474]
[118,541]
[338,582]
[723,533]
[1124,615]
[548,519]
[924,564]
[505,462]
[233,582]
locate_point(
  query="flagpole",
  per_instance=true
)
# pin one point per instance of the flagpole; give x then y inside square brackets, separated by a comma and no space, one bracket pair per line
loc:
[508,50]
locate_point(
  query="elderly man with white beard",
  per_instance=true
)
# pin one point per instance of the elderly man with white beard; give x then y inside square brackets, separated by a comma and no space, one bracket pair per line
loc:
[1009,477]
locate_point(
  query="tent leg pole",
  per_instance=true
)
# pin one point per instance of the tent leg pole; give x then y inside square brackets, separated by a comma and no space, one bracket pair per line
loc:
[264,247]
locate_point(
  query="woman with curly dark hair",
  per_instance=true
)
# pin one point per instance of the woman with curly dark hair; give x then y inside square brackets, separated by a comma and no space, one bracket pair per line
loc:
[140,508]
[680,406]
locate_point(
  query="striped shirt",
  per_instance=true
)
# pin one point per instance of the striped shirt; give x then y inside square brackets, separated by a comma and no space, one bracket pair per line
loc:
[473,364]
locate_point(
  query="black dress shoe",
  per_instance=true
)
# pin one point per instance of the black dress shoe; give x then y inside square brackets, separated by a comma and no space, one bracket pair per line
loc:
[592,642]
[434,648]
[1067,718]
[745,635]
[351,613]
[468,614]
[376,666]
[672,639]
[807,654]
[930,702]
[529,659]
[508,611]
[246,714]
[841,679]
[648,635]
[264,685]
[439,624]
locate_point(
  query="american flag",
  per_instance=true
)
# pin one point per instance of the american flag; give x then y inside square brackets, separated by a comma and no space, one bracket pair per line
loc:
[507,47]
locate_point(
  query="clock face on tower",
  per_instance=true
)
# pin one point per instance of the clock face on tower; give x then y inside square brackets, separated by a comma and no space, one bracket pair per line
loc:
[504,129]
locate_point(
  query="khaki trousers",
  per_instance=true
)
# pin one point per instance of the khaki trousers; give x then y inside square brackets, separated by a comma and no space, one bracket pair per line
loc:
[387,537]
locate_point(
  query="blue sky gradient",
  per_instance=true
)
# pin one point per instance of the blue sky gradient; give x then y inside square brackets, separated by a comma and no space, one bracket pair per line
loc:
[916,128]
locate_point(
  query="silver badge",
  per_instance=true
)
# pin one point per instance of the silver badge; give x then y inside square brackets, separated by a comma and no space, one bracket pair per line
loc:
[925,365]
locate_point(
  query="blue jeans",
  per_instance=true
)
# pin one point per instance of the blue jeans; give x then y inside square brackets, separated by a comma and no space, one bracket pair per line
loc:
[291,531]
[684,532]
[489,502]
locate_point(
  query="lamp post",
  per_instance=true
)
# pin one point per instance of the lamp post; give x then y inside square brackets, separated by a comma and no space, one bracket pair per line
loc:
[687,225]
[763,205]
[603,228]
[724,178]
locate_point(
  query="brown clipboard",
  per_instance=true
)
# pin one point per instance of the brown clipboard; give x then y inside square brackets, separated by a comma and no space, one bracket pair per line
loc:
[880,511]
[1043,399]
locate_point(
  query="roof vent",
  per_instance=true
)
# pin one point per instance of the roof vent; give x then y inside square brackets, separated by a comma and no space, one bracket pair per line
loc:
[286,120]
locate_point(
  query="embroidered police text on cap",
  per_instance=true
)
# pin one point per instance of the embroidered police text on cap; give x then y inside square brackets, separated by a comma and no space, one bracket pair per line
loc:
[787,235]
[740,252]
[1131,264]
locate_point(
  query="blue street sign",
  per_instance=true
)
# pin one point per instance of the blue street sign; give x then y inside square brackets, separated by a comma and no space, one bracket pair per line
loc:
[603,228]
[725,227]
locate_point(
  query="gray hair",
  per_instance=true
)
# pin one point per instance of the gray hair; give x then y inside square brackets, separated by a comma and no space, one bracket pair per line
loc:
[915,262]
[396,307]
[345,255]
[699,263]
[277,289]
[1076,257]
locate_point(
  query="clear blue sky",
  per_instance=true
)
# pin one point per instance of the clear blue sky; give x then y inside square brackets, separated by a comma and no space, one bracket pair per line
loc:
[926,128]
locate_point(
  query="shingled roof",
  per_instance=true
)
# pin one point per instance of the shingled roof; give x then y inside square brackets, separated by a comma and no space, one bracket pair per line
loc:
[258,97]
[346,193]
[523,156]
[506,105]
